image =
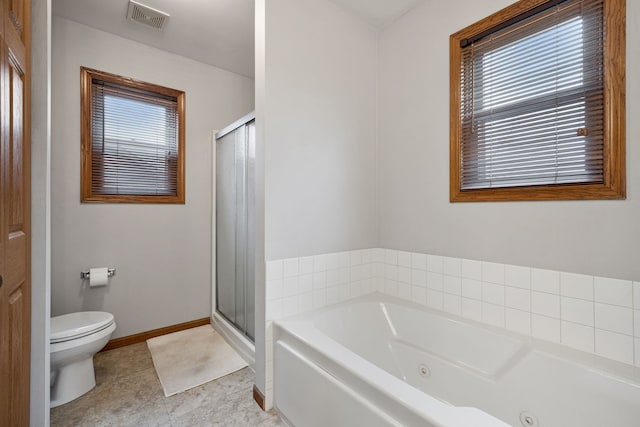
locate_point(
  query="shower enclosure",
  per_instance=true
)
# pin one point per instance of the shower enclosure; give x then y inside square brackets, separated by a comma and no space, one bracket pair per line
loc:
[234,288]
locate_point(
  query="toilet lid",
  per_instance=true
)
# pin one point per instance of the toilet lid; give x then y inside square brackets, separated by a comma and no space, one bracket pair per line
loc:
[77,325]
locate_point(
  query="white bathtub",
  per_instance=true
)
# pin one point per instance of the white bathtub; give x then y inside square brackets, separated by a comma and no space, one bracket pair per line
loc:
[380,361]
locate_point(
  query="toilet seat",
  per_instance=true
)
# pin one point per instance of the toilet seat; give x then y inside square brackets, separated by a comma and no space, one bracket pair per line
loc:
[77,325]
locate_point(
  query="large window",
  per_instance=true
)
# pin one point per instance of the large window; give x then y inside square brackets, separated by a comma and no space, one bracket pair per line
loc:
[132,140]
[538,103]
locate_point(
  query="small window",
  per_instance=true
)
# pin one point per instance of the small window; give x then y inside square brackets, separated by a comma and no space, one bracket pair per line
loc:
[132,140]
[537,93]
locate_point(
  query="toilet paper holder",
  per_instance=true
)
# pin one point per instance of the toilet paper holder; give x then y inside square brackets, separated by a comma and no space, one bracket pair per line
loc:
[85,275]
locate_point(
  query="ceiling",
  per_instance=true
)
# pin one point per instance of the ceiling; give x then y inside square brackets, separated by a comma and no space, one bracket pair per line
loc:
[216,32]
[379,13]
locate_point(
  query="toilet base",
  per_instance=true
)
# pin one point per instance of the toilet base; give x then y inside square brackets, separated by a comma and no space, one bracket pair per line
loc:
[72,381]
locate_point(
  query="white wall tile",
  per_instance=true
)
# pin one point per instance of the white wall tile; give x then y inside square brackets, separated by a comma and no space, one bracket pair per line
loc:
[637,351]
[290,286]
[578,336]
[636,295]
[367,256]
[333,261]
[355,289]
[274,309]
[518,321]
[404,290]
[545,328]
[332,295]
[435,299]
[274,270]
[391,287]
[545,304]
[320,279]
[613,291]
[545,281]
[367,271]
[355,258]
[453,285]
[305,302]
[472,289]
[577,310]
[435,263]
[391,272]
[332,277]
[517,298]
[319,263]
[452,266]
[378,255]
[614,346]
[343,275]
[452,304]
[419,277]
[614,318]
[419,261]
[576,285]
[636,323]
[391,256]
[290,306]
[355,273]
[472,309]
[319,298]
[305,265]
[493,293]
[344,259]
[493,314]
[290,267]
[305,283]
[435,281]
[404,259]
[404,274]
[274,289]
[493,272]
[419,294]
[517,276]
[471,269]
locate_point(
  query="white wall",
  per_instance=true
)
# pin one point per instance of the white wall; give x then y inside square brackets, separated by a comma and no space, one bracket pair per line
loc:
[162,253]
[40,209]
[316,134]
[320,107]
[414,213]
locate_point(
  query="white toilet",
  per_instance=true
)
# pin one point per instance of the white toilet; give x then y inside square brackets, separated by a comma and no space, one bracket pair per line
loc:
[75,339]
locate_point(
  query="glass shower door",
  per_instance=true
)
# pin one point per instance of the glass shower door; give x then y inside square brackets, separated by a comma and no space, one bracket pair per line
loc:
[235,156]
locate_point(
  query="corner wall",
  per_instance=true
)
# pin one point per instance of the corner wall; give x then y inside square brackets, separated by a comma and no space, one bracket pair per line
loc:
[320,129]
[316,122]
[162,253]
[600,238]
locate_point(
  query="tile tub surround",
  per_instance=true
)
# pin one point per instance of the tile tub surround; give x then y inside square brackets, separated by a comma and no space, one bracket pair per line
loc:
[593,314]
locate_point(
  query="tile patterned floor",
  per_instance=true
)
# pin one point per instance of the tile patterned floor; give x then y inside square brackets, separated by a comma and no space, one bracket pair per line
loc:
[128,393]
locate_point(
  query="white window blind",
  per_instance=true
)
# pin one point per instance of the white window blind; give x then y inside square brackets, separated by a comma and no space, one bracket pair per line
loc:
[532,100]
[134,141]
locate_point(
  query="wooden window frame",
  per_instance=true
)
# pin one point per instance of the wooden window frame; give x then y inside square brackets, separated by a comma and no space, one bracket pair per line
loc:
[87,76]
[614,185]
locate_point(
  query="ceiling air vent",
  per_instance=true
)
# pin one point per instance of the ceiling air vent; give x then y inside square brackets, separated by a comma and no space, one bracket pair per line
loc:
[146,15]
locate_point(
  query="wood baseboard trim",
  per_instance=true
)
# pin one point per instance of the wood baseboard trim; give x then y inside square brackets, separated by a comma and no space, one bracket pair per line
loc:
[258,397]
[143,336]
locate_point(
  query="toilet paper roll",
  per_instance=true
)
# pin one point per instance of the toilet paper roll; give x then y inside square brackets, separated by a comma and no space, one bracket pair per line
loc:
[98,277]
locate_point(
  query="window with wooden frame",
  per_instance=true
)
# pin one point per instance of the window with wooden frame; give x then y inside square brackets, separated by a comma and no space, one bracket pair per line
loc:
[132,140]
[538,103]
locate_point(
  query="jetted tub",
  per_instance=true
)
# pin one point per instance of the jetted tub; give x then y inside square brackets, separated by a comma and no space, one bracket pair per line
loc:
[381,361]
